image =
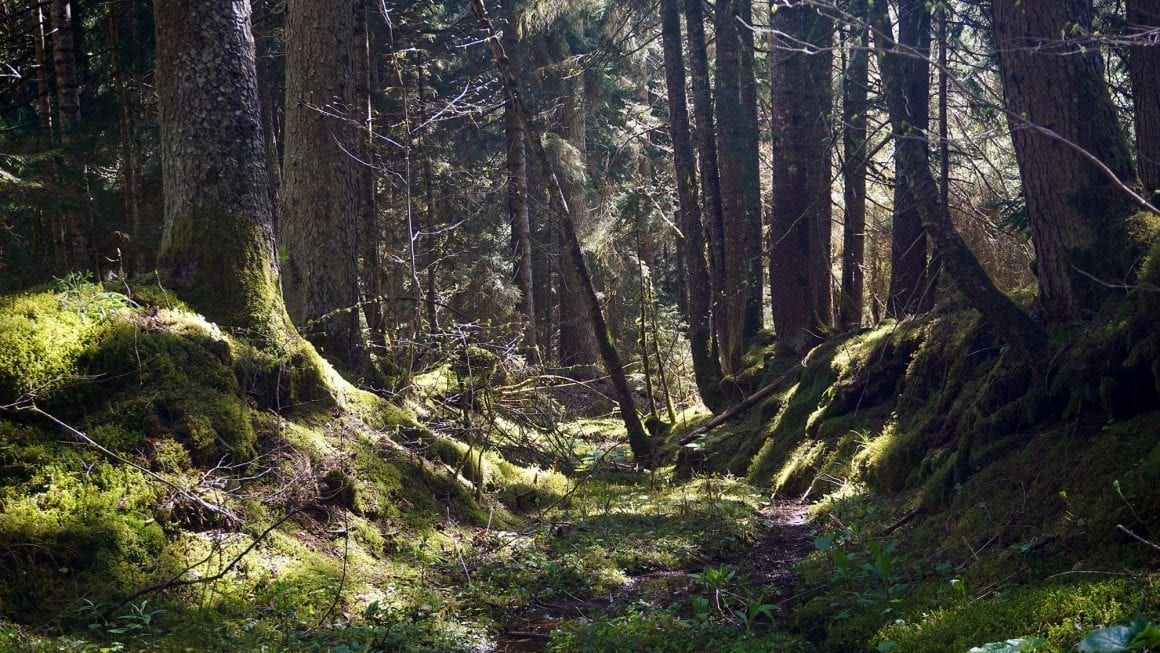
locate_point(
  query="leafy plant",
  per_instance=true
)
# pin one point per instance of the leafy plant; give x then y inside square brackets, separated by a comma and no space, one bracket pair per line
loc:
[1133,635]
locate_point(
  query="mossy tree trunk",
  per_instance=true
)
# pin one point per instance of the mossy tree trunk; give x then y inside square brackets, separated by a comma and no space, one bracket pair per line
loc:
[1059,104]
[218,241]
[801,104]
[643,449]
[318,222]
[706,365]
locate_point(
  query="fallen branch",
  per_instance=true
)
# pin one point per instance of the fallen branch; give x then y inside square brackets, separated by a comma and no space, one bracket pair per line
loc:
[736,410]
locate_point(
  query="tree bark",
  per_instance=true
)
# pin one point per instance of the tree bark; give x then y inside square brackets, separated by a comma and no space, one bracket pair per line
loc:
[1143,64]
[68,100]
[908,265]
[732,142]
[318,226]
[706,143]
[801,102]
[698,296]
[1014,326]
[370,227]
[517,198]
[218,241]
[39,40]
[855,84]
[643,449]
[1078,216]
[753,318]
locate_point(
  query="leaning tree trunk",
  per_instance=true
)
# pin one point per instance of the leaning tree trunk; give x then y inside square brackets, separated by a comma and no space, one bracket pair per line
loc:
[643,449]
[706,366]
[1014,326]
[218,242]
[855,82]
[318,222]
[801,102]
[1144,68]
[908,265]
[1059,108]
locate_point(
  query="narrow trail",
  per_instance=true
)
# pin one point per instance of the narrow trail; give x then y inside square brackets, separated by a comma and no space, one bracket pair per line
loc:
[787,537]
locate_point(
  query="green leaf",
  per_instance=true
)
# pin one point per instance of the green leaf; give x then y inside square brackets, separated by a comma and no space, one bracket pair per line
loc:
[1107,640]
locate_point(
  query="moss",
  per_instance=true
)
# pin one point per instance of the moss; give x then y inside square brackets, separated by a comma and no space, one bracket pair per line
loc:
[41,339]
[1059,612]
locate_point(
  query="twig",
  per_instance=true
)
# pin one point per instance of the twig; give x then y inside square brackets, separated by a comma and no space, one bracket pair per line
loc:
[32,407]
[178,581]
[1138,538]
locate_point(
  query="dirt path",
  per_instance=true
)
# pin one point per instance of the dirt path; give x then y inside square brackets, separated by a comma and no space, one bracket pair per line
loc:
[768,564]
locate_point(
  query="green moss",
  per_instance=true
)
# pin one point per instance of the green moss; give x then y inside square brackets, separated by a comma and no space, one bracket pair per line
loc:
[41,339]
[1059,612]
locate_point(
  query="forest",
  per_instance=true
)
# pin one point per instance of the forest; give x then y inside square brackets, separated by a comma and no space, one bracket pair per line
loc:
[579,325]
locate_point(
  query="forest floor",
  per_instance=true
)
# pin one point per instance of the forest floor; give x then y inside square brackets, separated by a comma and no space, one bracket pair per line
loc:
[785,537]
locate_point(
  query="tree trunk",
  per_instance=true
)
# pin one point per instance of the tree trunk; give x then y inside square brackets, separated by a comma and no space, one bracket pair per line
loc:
[706,142]
[1143,64]
[370,228]
[218,241]
[732,140]
[578,344]
[801,103]
[751,175]
[642,447]
[39,40]
[318,224]
[517,198]
[698,297]
[1013,325]
[1078,215]
[855,82]
[68,99]
[908,276]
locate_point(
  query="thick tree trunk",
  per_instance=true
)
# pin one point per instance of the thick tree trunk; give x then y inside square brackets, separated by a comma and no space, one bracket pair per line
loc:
[732,140]
[1014,326]
[578,346]
[318,226]
[517,197]
[698,296]
[218,242]
[1144,68]
[1078,216]
[855,83]
[801,103]
[706,143]
[643,448]
[908,265]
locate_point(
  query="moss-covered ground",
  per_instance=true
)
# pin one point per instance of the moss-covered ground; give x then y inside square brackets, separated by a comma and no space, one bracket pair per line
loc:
[165,485]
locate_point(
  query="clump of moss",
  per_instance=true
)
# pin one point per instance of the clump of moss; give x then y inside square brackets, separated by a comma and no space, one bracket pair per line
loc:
[41,338]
